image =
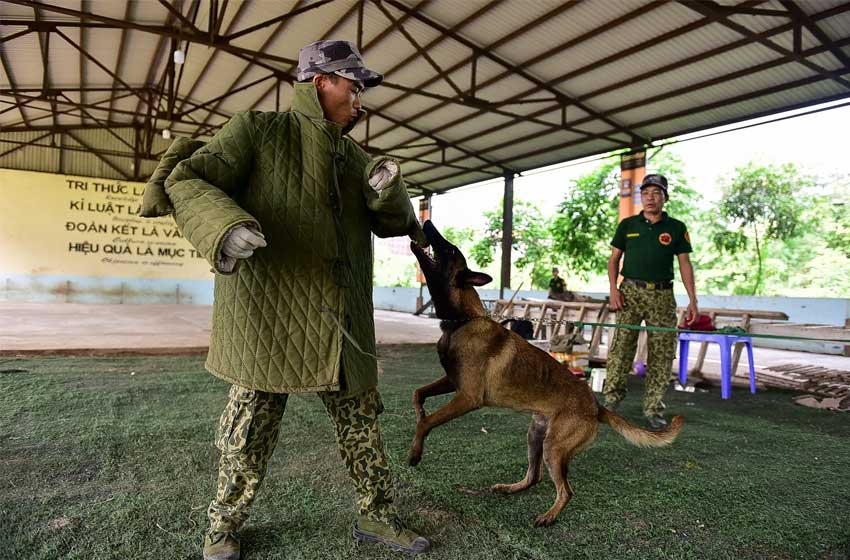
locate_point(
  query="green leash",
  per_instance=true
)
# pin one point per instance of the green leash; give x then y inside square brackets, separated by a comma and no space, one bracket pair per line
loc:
[580,324]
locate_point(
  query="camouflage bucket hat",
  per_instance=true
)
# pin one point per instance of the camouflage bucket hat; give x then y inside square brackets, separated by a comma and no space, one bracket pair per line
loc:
[335,57]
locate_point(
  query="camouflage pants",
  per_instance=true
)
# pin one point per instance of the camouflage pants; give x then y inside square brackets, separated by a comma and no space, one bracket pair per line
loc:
[658,309]
[247,435]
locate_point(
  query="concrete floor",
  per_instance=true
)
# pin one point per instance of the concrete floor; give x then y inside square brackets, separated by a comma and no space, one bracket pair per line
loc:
[68,328]
[71,328]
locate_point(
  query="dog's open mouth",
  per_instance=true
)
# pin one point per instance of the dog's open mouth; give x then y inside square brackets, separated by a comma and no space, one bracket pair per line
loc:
[426,262]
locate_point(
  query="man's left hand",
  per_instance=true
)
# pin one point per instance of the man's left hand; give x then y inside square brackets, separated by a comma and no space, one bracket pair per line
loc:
[383,175]
[693,312]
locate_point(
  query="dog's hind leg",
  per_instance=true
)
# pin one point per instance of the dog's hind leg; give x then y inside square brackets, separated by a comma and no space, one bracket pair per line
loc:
[559,447]
[534,474]
[439,387]
[458,406]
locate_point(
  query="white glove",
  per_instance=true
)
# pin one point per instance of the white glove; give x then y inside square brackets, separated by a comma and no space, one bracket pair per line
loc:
[239,244]
[383,175]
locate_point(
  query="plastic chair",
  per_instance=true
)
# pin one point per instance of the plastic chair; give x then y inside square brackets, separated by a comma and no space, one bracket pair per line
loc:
[726,342]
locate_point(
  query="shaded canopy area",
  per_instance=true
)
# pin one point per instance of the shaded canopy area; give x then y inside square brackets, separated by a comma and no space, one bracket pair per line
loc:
[473,90]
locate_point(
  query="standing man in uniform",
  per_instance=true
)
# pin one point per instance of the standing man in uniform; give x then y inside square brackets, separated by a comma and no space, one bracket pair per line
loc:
[649,242]
[283,206]
[557,287]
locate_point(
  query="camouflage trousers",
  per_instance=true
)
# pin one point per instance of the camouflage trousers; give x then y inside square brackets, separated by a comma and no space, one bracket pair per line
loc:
[247,435]
[658,309]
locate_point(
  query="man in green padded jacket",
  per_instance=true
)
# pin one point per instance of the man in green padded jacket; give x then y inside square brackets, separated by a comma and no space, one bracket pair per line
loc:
[283,206]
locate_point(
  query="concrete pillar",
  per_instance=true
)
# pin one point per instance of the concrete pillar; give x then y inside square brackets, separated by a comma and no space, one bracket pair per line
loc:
[507,233]
[632,171]
[424,214]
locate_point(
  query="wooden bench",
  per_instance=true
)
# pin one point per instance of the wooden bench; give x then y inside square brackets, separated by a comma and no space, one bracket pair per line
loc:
[548,317]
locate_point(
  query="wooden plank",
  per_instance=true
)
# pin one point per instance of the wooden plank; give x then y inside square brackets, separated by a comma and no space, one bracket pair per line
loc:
[558,318]
[752,313]
[541,324]
[596,332]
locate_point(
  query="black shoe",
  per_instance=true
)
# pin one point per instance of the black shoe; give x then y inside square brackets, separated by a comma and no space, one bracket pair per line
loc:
[613,406]
[657,422]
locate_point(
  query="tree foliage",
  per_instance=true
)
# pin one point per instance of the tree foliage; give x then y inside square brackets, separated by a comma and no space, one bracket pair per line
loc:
[530,241]
[761,203]
[587,217]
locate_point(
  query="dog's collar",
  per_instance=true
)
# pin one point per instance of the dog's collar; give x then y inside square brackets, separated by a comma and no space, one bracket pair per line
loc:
[462,320]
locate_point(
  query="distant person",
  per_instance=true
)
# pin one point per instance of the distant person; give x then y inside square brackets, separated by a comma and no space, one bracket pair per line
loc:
[649,242]
[283,206]
[557,287]
[558,290]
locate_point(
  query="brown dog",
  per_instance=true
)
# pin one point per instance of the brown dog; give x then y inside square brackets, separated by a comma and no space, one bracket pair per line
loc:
[488,365]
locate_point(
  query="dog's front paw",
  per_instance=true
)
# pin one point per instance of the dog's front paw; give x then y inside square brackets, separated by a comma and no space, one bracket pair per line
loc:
[544,520]
[414,456]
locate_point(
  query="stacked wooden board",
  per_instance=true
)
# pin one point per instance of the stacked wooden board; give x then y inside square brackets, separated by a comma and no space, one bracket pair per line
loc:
[816,380]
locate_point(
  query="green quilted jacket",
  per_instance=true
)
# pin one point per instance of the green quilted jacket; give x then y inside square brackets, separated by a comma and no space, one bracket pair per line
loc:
[290,317]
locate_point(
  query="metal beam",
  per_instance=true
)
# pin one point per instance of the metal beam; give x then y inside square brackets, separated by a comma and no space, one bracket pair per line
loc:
[15,35]
[178,13]
[111,153]
[119,56]
[54,102]
[558,49]
[574,73]
[468,102]
[813,28]
[487,6]
[44,44]
[166,31]
[419,50]
[11,78]
[632,80]
[516,69]
[277,20]
[95,106]
[25,144]
[97,121]
[708,7]
[663,118]
[283,21]
[96,61]
[194,9]
[240,11]
[97,154]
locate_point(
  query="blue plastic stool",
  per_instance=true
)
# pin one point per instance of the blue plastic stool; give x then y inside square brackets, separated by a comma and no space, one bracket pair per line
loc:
[726,342]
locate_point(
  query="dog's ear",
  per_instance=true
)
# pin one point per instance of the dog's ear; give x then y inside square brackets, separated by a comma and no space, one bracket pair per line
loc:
[476,278]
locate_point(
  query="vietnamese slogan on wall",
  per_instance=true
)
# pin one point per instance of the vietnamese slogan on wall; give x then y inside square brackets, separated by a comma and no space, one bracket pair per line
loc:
[60,224]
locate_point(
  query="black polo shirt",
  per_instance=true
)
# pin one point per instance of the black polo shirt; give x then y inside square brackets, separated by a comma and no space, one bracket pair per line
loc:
[557,285]
[649,248]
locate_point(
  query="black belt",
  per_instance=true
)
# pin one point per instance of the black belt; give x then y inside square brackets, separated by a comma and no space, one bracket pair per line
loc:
[660,285]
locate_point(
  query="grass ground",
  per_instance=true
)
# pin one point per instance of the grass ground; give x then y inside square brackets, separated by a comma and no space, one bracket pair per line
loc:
[112,458]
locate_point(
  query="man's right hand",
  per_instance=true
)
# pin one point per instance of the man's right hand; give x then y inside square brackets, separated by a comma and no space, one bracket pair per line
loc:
[615,301]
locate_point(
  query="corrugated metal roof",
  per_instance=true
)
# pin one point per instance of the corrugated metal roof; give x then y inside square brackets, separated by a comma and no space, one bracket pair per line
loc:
[554,80]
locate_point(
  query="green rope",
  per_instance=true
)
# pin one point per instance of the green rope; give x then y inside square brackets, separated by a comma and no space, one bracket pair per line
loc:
[580,324]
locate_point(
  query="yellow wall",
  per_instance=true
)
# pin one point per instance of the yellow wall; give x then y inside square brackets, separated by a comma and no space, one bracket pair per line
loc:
[61,224]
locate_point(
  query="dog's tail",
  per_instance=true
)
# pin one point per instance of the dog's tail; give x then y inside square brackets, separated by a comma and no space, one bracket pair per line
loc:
[639,436]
